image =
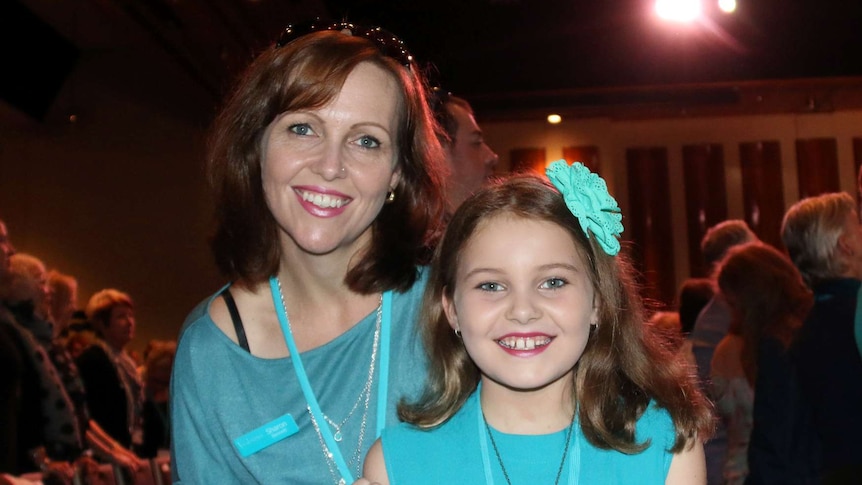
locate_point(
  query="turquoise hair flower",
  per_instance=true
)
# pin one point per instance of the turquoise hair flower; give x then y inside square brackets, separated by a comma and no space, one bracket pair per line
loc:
[586,195]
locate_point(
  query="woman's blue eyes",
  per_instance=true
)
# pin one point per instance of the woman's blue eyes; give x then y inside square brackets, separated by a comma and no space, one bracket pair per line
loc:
[300,129]
[368,142]
[364,141]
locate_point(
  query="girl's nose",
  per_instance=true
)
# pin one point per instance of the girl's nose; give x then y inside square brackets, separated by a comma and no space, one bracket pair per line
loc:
[523,308]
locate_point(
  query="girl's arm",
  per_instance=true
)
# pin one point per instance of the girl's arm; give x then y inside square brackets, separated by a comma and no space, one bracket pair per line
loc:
[375,467]
[688,467]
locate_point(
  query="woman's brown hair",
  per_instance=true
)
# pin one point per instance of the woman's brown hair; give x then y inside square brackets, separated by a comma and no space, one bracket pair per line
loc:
[307,73]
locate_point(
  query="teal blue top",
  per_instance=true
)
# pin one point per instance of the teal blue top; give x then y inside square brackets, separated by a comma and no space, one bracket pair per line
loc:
[453,453]
[220,392]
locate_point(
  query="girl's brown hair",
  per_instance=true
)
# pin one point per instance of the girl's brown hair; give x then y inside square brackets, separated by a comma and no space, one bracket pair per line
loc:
[625,364]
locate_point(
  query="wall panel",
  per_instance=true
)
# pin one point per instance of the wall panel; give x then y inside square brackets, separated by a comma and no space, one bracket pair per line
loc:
[586,154]
[705,197]
[817,166]
[528,159]
[649,223]
[763,189]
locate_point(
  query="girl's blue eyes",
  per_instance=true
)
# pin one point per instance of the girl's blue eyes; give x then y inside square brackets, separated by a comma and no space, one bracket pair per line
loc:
[489,287]
[549,284]
[554,283]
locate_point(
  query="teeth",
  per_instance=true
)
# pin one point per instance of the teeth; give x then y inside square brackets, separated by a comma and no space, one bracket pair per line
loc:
[524,343]
[323,201]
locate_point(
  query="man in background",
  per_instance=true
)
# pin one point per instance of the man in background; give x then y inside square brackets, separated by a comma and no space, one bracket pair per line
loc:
[471,161]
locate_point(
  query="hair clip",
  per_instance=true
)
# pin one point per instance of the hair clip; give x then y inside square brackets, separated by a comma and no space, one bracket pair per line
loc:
[586,195]
[388,43]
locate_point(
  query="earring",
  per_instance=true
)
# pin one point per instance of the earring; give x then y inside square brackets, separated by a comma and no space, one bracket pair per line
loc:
[458,332]
[390,196]
[593,327]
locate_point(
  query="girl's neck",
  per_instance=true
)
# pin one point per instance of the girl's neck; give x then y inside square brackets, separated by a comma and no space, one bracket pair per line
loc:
[540,411]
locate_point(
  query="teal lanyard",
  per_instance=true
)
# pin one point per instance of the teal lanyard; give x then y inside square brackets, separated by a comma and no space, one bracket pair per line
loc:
[574,452]
[308,393]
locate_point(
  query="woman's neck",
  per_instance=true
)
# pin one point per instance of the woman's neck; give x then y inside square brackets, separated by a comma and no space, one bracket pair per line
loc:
[539,411]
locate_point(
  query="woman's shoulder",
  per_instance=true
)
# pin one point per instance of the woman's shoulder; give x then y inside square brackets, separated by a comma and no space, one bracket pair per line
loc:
[199,330]
[200,314]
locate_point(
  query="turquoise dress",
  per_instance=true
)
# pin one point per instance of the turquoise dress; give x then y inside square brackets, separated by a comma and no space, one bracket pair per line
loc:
[220,392]
[453,453]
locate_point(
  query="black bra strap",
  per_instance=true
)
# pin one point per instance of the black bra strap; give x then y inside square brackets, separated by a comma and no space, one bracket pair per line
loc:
[237,321]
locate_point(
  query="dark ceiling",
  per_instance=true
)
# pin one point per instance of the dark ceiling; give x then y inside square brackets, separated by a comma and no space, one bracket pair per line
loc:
[484,48]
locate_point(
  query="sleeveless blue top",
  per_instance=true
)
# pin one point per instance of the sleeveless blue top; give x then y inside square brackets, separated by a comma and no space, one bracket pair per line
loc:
[452,453]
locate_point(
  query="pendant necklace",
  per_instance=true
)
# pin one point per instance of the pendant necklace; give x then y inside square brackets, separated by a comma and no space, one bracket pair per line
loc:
[355,461]
[338,467]
[574,462]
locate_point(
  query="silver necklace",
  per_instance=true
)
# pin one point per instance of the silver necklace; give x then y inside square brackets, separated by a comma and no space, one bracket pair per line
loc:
[355,461]
[562,461]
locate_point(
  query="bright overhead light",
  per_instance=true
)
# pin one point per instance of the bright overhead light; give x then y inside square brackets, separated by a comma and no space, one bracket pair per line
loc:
[678,10]
[554,119]
[727,6]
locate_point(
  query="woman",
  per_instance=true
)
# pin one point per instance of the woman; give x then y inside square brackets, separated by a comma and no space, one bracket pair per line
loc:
[113,387]
[324,163]
[769,301]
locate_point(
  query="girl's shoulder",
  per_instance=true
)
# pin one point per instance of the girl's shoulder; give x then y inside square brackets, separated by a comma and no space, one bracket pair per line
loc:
[656,425]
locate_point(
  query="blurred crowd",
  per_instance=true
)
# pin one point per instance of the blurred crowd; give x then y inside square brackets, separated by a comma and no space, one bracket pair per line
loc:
[73,396]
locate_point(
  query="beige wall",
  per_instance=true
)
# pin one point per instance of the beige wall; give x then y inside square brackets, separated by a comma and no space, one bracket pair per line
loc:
[613,137]
[116,199]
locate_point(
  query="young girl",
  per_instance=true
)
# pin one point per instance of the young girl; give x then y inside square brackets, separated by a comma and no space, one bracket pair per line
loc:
[541,368]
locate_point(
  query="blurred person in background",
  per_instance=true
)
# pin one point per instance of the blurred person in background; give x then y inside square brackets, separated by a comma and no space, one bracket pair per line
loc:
[768,301]
[711,326]
[807,421]
[28,296]
[114,388]
[64,300]
[471,161]
[156,371]
[36,414]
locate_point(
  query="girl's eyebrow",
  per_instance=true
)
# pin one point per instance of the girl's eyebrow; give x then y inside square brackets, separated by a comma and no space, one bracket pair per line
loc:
[476,271]
[544,267]
[567,266]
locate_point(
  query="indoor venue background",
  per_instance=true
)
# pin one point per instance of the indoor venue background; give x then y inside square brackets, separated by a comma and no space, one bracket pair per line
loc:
[104,106]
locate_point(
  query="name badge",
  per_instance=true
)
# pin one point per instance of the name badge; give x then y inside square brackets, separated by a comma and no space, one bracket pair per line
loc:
[267,435]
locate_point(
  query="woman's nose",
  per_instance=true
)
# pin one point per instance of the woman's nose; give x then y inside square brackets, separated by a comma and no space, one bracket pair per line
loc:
[330,164]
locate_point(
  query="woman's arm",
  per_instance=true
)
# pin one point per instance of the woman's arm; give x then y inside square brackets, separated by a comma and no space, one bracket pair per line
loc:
[374,470]
[688,467]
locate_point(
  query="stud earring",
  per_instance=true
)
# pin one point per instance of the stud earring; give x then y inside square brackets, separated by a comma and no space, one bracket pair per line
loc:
[390,196]
[458,332]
